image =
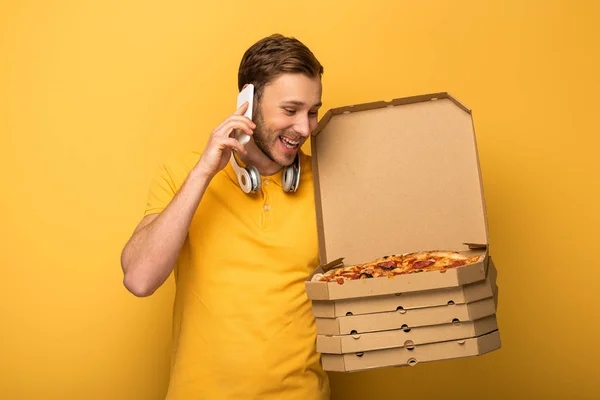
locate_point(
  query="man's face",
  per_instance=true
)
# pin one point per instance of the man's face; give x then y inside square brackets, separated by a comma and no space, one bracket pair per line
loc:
[287,114]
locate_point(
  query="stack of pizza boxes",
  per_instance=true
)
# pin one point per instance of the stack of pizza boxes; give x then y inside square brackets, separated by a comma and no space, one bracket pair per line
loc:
[394,178]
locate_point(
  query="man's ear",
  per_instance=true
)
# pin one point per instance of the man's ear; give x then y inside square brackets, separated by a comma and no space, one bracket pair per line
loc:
[245,85]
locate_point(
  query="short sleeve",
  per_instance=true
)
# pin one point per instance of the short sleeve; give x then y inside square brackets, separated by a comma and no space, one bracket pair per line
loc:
[161,192]
[167,181]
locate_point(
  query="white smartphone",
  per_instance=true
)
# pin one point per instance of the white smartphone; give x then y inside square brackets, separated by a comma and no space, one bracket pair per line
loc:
[246,95]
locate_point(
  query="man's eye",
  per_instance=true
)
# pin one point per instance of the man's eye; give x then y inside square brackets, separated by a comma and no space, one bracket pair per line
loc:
[290,111]
[313,113]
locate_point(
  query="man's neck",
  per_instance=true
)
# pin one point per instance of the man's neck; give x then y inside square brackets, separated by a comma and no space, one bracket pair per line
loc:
[258,159]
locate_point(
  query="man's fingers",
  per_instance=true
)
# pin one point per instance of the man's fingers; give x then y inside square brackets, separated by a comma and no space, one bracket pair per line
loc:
[242,119]
[242,109]
[232,125]
[233,118]
[234,144]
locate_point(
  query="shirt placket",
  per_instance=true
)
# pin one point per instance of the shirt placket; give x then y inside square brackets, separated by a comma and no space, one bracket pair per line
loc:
[266,203]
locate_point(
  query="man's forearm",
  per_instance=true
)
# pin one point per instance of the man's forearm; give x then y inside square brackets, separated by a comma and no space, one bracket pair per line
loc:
[151,253]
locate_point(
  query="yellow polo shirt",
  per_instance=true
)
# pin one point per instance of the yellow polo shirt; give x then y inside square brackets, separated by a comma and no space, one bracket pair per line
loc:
[243,326]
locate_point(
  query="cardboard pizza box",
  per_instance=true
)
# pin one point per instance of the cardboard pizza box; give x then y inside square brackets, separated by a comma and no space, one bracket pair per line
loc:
[407,318]
[405,337]
[427,298]
[397,177]
[412,354]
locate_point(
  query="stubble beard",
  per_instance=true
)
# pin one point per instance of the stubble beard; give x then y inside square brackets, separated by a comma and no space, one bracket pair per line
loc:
[261,136]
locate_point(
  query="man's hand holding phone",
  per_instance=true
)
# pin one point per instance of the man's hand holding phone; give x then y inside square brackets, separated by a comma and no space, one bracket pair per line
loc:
[221,143]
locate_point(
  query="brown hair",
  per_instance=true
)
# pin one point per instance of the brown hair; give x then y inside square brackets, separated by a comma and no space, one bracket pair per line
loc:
[275,55]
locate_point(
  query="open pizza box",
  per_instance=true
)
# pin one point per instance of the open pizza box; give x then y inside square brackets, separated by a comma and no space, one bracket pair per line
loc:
[397,177]
[393,178]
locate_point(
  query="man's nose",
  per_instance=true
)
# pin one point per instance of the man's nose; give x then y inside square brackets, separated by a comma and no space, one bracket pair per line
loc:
[303,126]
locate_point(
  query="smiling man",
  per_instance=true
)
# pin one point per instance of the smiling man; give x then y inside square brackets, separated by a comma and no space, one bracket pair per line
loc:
[242,324]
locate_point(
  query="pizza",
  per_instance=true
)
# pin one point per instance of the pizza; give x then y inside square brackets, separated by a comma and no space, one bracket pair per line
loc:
[391,266]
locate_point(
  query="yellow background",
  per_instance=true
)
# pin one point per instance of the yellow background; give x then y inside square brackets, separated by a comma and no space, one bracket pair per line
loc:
[93,95]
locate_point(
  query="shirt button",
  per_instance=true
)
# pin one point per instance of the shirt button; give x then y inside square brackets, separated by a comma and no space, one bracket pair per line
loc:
[267,207]
[267,181]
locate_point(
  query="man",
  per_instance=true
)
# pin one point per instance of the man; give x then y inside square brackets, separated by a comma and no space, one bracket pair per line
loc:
[243,327]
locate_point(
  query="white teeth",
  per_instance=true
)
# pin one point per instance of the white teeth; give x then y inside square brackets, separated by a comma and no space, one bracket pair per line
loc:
[290,144]
[289,140]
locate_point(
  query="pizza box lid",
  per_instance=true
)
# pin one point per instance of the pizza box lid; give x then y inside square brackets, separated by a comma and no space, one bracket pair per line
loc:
[395,177]
[411,356]
[345,344]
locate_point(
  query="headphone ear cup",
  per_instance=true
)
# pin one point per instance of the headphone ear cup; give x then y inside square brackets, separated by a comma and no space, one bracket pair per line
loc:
[254,176]
[288,178]
[244,180]
[296,177]
[248,178]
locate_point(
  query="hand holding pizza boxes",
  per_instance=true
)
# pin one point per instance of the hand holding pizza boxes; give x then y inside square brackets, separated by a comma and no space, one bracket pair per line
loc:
[399,200]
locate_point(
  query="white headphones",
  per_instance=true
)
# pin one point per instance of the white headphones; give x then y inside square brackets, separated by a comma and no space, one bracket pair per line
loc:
[249,177]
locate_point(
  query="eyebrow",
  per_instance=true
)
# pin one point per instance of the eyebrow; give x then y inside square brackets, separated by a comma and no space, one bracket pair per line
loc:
[300,103]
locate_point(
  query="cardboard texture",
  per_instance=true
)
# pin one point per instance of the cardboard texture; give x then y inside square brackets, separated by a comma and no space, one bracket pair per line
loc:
[404,356]
[406,318]
[403,174]
[458,295]
[393,178]
[405,337]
